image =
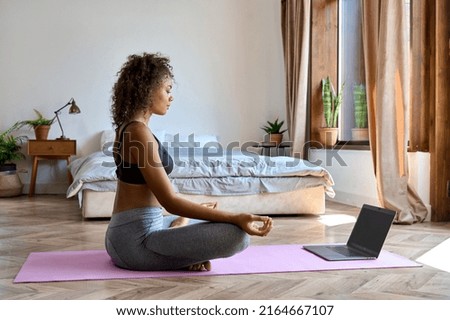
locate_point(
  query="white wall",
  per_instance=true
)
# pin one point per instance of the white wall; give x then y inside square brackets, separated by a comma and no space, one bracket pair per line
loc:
[355,182]
[226,54]
[352,172]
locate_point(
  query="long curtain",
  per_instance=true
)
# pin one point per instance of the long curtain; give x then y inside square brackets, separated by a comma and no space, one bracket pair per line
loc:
[430,96]
[295,28]
[387,82]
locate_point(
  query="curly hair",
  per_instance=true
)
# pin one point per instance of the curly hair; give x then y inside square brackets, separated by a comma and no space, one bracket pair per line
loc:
[138,78]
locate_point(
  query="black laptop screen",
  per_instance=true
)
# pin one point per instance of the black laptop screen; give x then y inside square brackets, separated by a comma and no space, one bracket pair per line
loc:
[371,229]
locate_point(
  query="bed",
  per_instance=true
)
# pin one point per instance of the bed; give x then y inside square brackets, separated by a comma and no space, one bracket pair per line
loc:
[204,171]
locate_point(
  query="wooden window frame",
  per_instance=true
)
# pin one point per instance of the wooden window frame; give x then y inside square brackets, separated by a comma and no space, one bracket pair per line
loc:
[430,96]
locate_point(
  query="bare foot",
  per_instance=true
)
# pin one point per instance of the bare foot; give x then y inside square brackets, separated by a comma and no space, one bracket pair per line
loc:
[179,222]
[202,266]
[182,221]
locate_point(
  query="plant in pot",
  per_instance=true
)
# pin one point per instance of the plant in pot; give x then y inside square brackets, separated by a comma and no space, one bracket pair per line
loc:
[360,132]
[331,106]
[41,125]
[10,184]
[274,131]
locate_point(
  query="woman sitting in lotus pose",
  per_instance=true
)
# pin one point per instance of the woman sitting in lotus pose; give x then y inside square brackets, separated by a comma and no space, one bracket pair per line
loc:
[139,236]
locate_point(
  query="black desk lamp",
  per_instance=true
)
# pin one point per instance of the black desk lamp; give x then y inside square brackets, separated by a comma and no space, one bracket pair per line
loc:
[72,110]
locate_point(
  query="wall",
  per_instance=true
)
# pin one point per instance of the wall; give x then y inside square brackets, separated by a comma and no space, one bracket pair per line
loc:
[226,54]
[354,178]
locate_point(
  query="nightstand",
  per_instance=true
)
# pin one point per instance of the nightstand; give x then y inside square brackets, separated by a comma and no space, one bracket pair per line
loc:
[47,150]
[267,148]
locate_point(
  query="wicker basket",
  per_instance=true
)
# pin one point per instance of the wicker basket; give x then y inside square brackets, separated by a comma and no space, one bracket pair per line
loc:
[10,184]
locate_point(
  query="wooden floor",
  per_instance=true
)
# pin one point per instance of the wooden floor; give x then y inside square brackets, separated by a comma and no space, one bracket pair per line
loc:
[49,222]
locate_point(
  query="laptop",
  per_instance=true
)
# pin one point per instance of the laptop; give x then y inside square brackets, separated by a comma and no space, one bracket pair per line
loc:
[365,241]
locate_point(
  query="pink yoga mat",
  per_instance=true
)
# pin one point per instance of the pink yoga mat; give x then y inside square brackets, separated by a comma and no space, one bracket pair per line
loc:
[96,264]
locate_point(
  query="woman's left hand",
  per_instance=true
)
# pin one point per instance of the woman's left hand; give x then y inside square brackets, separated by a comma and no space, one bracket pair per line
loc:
[255,225]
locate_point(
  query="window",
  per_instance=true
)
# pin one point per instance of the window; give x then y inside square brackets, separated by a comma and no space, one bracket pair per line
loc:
[351,63]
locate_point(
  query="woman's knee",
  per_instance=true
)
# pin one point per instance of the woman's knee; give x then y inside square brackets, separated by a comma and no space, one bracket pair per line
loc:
[238,237]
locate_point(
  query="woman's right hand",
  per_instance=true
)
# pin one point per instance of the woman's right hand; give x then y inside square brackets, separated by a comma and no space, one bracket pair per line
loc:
[255,225]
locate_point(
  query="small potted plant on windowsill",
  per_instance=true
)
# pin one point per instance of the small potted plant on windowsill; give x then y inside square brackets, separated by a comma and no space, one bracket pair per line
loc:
[10,184]
[360,132]
[331,106]
[274,131]
[41,125]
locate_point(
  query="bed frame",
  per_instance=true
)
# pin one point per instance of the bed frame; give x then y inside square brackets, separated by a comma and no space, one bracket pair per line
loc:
[96,204]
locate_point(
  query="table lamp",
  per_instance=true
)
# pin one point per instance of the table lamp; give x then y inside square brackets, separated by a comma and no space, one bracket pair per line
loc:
[74,109]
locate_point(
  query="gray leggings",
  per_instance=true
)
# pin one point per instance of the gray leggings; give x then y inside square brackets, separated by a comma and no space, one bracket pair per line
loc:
[140,239]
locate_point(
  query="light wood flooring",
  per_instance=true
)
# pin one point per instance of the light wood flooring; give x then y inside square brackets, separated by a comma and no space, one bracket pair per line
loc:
[51,222]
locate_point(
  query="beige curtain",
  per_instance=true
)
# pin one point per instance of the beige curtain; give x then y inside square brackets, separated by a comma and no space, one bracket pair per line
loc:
[295,26]
[387,81]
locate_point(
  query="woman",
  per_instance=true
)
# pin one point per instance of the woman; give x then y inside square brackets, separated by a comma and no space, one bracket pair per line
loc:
[139,237]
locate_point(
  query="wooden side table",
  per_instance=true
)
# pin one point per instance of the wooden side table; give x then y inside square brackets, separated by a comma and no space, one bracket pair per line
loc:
[280,149]
[49,149]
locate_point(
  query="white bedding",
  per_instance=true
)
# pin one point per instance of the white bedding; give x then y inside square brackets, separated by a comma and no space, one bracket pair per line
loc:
[209,172]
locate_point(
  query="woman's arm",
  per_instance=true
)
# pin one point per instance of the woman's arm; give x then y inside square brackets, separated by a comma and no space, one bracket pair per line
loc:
[143,147]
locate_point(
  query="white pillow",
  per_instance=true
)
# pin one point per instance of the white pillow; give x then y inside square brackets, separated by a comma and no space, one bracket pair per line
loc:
[108,136]
[199,140]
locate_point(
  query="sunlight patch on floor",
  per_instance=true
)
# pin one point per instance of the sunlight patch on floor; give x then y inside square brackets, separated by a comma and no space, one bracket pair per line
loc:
[437,257]
[331,220]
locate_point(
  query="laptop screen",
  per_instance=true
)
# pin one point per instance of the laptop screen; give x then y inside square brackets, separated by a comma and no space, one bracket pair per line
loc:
[371,229]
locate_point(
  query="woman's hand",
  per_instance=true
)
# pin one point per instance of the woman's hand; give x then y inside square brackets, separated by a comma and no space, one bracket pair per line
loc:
[255,225]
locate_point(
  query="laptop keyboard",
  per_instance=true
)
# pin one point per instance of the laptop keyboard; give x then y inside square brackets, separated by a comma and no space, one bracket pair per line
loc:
[345,251]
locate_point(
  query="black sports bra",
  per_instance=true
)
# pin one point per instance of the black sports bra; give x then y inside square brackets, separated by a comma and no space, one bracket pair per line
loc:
[130,172]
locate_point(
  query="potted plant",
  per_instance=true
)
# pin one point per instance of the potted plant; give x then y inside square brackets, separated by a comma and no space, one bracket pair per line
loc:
[274,131]
[41,125]
[360,132]
[331,106]
[10,184]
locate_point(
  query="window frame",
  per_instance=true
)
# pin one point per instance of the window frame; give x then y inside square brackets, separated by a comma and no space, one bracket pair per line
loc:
[346,121]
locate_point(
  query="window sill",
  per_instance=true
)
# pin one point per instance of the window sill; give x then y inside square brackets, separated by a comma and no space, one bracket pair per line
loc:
[351,145]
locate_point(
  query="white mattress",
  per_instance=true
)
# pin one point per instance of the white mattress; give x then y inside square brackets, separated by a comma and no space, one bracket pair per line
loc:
[235,174]
[237,181]
[98,204]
